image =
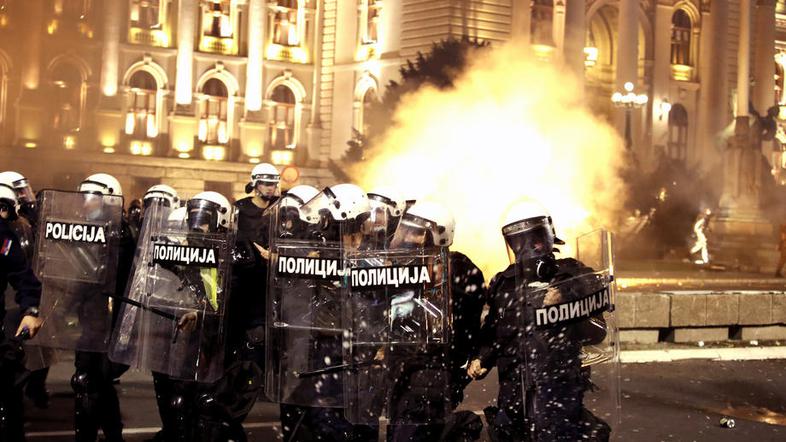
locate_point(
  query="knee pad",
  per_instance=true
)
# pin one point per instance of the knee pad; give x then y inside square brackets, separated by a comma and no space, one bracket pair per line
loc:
[81,382]
[178,403]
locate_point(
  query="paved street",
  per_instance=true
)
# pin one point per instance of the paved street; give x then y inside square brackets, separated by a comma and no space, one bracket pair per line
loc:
[679,401]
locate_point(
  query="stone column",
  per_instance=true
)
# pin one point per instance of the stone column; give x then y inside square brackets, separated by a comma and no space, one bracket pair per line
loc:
[256,44]
[558,26]
[575,37]
[743,63]
[186,29]
[32,64]
[764,56]
[661,75]
[742,233]
[628,43]
[109,55]
[713,95]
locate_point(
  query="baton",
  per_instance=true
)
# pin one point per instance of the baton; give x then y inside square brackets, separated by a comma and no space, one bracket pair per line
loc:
[336,368]
[130,301]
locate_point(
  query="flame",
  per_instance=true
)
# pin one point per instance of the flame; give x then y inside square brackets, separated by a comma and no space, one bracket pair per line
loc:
[512,128]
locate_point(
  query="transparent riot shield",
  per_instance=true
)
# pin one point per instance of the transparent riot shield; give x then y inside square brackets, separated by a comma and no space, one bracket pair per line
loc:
[568,350]
[596,250]
[304,334]
[184,288]
[76,261]
[304,325]
[397,317]
[127,343]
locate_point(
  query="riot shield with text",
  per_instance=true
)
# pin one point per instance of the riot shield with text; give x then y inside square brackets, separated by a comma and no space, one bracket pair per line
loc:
[568,337]
[127,337]
[304,335]
[397,317]
[75,259]
[184,288]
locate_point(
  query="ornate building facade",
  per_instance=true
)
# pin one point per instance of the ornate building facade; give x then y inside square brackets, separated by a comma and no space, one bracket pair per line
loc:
[193,91]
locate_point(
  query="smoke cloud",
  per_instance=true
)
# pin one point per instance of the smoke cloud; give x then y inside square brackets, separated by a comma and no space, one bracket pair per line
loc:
[513,127]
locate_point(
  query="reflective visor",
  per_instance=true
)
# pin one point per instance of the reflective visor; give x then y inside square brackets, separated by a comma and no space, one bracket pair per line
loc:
[529,238]
[203,215]
[412,232]
[90,186]
[317,207]
[382,199]
[24,192]
[267,179]
[150,198]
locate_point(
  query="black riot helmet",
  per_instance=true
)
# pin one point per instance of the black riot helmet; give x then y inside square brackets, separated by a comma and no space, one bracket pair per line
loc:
[530,238]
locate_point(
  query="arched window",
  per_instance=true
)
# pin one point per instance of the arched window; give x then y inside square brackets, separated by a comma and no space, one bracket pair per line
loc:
[146,14]
[67,98]
[678,133]
[213,113]
[282,124]
[286,23]
[680,38]
[141,121]
[369,98]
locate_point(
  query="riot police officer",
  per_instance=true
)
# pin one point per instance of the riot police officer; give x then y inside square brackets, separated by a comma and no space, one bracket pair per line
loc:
[24,193]
[426,225]
[25,228]
[311,404]
[387,207]
[14,269]
[96,401]
[159,200]
[541,379]
[245,353]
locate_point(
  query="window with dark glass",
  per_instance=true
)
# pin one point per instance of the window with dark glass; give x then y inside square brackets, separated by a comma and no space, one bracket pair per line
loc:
[141,119]
[285,24]
[370,14]
[282,124]
[216,18]
[678,133]
[680,38]
[213,113]
[145,14]
[368,100]
[66,109]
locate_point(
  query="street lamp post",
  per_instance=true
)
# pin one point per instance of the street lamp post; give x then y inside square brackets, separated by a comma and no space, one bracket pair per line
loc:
[629,101]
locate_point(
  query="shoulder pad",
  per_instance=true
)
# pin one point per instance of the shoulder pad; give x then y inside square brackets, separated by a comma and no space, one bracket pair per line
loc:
[461,262]
[502,277]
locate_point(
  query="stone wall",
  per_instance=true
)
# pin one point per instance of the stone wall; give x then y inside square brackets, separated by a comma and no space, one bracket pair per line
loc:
[692,316]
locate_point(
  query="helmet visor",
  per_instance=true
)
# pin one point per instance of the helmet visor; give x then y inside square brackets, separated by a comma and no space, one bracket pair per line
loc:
[412,232]
[528,239]
[270,180]
[203,215]
[24,192]
[375,228]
